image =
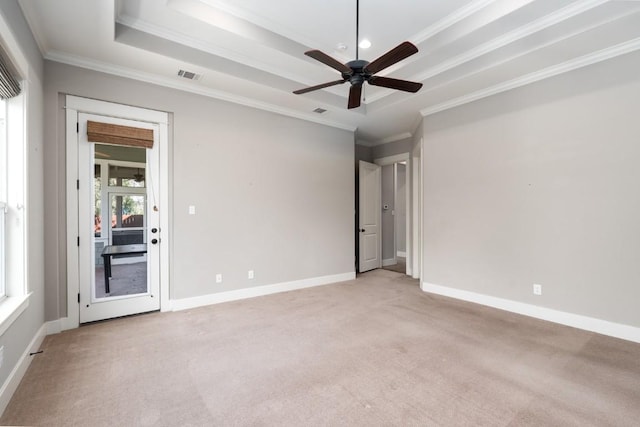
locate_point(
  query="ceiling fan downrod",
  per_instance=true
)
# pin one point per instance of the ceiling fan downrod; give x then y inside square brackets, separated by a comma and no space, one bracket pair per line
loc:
[358,71]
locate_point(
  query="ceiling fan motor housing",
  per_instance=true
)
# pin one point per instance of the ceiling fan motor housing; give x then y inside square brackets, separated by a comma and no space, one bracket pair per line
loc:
[358,73]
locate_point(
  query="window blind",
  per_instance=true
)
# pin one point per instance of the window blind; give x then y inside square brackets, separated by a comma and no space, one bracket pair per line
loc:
[119,135]
[9,86]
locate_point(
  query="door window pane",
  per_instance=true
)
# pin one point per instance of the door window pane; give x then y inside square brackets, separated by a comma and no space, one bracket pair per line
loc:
[126,176]
[127,219]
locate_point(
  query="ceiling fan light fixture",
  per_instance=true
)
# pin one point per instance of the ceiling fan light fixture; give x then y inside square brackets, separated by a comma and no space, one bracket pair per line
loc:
[365,44]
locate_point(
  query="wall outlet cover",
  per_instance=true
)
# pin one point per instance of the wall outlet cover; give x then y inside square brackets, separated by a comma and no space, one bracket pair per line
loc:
[537,289]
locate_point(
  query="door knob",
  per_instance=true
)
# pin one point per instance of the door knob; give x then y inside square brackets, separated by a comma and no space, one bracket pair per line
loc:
[362,230]
[154,230]
[154,241]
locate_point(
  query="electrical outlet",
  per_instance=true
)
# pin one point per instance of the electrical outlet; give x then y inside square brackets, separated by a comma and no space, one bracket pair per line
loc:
[250,274]
[537,289]
[218,278]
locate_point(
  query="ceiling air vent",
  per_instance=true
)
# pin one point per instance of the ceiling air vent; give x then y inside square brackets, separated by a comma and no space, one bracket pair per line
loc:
[319,110]
[189,75]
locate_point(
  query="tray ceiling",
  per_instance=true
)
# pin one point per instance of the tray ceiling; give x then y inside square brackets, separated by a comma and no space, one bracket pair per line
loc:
[252,51]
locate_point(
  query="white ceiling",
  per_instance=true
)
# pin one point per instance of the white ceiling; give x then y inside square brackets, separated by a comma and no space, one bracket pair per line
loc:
[252,51]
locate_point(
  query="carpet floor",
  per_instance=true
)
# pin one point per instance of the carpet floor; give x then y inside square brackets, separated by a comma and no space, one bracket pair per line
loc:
[399,267]
[368,352]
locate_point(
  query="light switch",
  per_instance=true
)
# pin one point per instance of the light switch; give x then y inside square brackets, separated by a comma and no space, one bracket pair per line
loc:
[192,210]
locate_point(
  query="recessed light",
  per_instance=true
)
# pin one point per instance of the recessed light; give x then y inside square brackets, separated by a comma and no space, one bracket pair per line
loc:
[365,44]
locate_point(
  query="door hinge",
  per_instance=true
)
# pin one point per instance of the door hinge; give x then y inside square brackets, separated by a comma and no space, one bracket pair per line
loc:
[78,240]
[78,297]
[77,184]
[77,127]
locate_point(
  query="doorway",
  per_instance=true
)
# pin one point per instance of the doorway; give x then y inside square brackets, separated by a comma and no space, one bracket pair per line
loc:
[394,210]
[119,195]
[394,217]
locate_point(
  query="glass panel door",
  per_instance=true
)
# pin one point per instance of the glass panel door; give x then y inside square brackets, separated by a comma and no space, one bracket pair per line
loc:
[118,215]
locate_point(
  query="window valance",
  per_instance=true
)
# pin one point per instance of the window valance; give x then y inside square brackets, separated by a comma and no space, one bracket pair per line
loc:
[119,135]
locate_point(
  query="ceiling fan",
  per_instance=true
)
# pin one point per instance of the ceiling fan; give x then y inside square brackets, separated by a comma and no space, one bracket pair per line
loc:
[359,71]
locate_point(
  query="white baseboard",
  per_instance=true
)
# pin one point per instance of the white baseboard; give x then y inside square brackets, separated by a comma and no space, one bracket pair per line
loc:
[402,254]
[604,327]
[54,326]
[199,301]
[13,380]
[389,261]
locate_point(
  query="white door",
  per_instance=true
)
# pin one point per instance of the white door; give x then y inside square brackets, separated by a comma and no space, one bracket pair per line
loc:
[369,220]
[119,231]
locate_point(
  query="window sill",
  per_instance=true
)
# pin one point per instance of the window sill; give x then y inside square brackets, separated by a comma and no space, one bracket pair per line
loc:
[10,309]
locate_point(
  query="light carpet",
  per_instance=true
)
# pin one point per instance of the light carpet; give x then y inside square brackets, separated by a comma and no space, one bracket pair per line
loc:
[368,352]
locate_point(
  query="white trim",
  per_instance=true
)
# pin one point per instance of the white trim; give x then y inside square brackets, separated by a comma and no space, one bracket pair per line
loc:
[75,105]
[392,138]
[410,226]
[10,309]
[54,326]
[105,108]
[416,212]
[450,20]
[165,202]
[390,160]
[13,380]
[402,254]
[586,323]
[545,73]
[117,70]
[389,261]
[12,49]
[239,294]
[73,278]
[493,45]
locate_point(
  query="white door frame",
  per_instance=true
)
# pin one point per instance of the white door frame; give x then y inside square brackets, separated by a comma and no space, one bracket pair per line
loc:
[74,106]
[391,160]
[417,161]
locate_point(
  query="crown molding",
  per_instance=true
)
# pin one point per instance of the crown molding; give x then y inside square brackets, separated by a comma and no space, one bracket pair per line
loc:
[28,13]
[182,39]
[545,73]
[392,138]
[120,71]
[504,40]
[365,143]
[451,20]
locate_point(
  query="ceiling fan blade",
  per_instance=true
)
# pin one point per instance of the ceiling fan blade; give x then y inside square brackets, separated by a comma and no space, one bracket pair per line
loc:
[397,54]
[327,60]
[404,85]
[322,86]
[354,95]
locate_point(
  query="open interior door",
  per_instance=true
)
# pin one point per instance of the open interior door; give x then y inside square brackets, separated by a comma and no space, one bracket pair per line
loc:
[369,218]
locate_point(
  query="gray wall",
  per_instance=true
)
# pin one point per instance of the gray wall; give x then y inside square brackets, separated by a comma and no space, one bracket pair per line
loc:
[17,338]
[401,208]
[388,195]
[363,153]
[392,148]
[273,194]
[540,185]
